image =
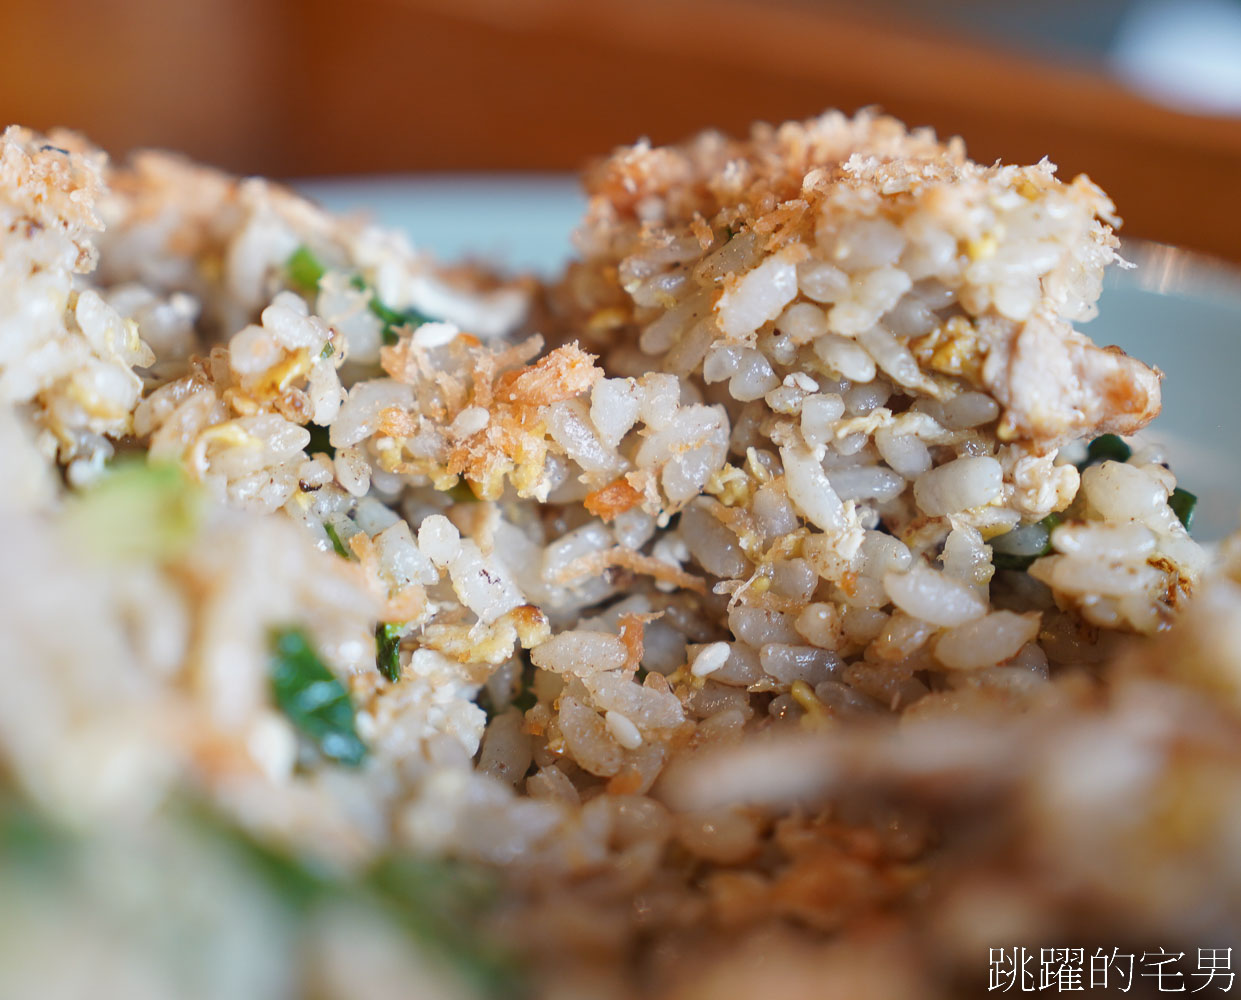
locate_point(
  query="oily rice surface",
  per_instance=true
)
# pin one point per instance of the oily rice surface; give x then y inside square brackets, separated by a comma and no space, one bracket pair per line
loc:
[719,587]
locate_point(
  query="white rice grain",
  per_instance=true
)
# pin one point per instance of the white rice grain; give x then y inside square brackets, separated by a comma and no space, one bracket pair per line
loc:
[439,540]
[757,297]
[623,730]
[353,471]
[958,485]
[843,358]
[709,658]
[923,593]
[810,490]
[432,335]
[986,641]
[580,652]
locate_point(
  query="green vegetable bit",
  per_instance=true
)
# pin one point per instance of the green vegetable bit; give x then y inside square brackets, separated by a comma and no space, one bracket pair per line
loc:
[337,544]
[1019,564]
[137,511]
[28,839]
[320,441]
[1107,447]
[327,352]
[1183,503]
[461,493]
[442,908]
[392,319]
[442,904]
[526,699]
[312,698]
[305,270]
[387,650]
[520,696]
[298,882]
[487,703]
[1023,560]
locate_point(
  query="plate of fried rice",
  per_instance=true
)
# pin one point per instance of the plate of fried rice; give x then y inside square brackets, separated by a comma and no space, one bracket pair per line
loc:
[757,573]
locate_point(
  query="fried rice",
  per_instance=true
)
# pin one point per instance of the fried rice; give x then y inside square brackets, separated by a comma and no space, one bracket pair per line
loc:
[771,604]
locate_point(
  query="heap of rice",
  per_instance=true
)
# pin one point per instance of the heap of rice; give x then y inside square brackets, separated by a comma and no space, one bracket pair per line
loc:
[660,576]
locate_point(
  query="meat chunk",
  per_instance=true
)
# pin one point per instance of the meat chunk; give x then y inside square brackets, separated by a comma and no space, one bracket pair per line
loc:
[1056,384]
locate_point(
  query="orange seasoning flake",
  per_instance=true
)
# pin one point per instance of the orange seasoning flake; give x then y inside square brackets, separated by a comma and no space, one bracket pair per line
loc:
[615,498]
[632,634]
[564,373]
[627,782]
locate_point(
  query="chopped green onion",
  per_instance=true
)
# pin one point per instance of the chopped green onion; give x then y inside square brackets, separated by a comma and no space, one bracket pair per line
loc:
[388,650]
[305,270]
[1018,549]
[337,544]
[1019,564]
[521,695]
[1183,503]
[327,352]
[137,511]
[295,881]
[392,319]
[462,493]
[29,838]
[487,703]
[320,441]
[1105,448]
[526,699]
[442,904]
[312,698]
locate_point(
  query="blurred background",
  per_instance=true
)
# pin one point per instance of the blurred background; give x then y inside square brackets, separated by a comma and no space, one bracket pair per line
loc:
[1144,95]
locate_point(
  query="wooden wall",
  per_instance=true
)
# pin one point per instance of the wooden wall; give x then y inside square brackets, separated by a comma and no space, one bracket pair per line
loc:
[307,87]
